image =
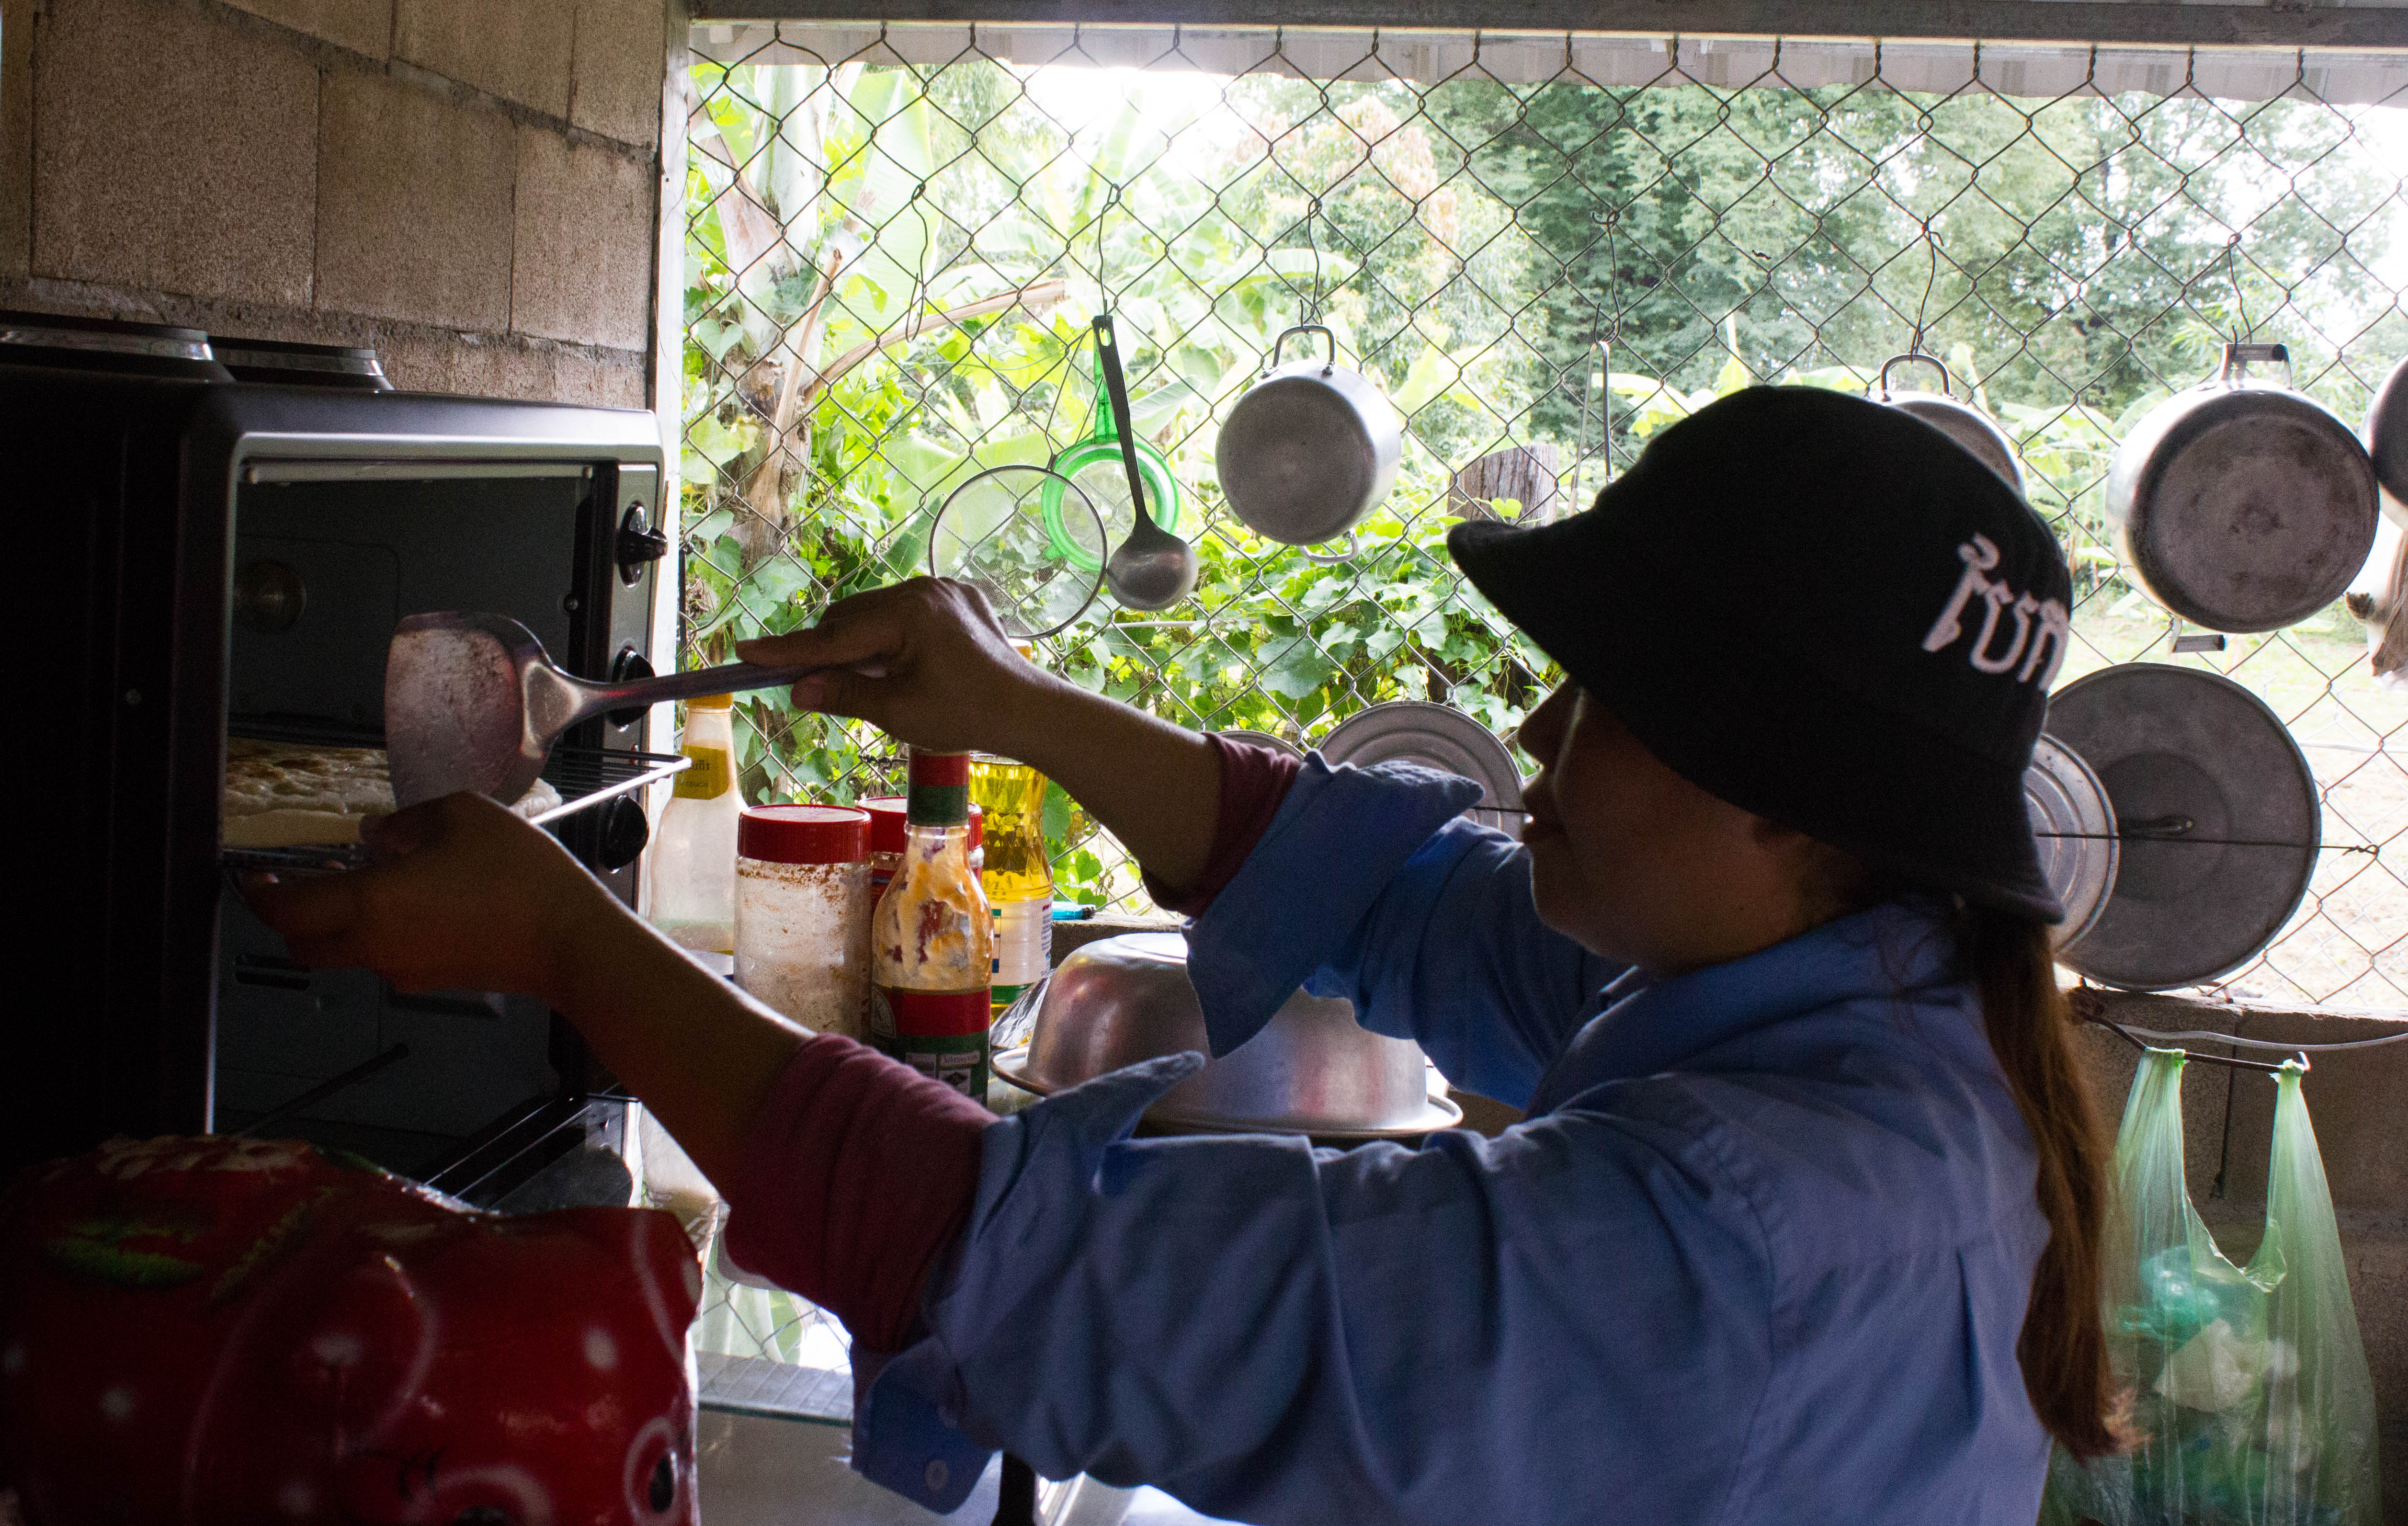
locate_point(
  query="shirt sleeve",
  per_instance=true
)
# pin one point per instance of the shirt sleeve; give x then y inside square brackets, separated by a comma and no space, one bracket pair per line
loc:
[1479,1329]
[1368,885]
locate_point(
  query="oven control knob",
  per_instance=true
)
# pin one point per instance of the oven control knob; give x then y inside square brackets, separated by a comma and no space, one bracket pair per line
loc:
[625,832]
[627,667]
[640,545]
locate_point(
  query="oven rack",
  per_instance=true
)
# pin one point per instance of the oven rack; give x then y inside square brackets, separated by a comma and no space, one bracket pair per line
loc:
[585,776]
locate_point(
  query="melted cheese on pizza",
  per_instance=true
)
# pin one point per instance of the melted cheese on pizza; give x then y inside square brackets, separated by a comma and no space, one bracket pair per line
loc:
[280,795]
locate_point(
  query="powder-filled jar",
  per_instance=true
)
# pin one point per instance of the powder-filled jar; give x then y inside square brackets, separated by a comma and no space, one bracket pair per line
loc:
[802,913]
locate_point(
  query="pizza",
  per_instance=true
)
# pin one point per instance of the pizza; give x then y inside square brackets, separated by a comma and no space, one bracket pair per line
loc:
[281,795]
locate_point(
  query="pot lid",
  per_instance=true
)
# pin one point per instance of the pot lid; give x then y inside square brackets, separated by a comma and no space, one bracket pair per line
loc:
[2076,835]
[1436,737]
[2217,816]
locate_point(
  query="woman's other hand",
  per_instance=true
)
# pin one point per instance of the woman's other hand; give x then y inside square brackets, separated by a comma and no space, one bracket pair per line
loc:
[464,895]
[925,661]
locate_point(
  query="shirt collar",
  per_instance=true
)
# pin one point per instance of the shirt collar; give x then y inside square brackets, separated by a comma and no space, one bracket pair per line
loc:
[1649,1026]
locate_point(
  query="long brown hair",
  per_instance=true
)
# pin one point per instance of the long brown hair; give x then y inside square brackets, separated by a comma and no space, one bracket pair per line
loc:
[2063,1348]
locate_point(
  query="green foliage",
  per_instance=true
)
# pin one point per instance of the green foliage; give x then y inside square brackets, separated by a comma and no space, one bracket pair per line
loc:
[853,353]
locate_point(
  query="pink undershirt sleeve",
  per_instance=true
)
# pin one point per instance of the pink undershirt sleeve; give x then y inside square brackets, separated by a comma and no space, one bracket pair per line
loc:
[1253,781]
[858,1172]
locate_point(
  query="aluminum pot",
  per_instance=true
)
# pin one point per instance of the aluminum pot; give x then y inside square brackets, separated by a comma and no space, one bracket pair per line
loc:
[2240,505]
[2386,442]
[1958,420]
[1313,1070]
[1308,449]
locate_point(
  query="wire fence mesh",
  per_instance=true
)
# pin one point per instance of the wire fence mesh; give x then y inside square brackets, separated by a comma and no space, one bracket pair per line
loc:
[891,269]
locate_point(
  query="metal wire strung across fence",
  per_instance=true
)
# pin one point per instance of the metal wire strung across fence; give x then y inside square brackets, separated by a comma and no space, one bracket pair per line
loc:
[895,247]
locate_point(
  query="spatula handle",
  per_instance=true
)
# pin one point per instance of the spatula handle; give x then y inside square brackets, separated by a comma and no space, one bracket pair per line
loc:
[727,679]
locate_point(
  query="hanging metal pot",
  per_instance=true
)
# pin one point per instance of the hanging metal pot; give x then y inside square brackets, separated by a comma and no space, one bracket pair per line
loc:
[1960,420]
[2240,505]
[1308,449]
[2386,442]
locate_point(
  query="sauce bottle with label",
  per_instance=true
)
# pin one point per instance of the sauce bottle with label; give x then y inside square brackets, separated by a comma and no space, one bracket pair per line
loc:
[932,941]
[692,863]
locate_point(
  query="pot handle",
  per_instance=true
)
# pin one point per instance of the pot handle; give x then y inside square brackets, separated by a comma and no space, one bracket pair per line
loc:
[1322,329]
[1947,388]
[2238,358]
[1312,555]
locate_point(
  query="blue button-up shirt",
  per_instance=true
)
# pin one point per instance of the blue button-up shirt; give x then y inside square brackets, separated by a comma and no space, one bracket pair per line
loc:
[1760,1253]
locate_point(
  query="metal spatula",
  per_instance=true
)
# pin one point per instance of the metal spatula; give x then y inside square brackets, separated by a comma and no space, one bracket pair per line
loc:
[471,702]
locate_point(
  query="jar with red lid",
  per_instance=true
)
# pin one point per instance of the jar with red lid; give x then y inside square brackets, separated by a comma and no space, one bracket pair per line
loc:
[802,912]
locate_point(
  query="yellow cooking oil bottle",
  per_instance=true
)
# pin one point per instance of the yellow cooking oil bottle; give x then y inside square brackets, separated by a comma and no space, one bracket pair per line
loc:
[1018,878]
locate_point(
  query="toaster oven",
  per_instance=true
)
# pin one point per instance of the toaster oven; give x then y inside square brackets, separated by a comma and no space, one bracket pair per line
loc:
[204,557]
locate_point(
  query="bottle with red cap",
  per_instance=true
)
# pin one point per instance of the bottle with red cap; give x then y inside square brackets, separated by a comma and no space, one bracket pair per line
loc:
[931,943]
[802,912]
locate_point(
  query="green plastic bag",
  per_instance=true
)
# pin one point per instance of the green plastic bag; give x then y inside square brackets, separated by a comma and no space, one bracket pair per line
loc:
[2250,1393]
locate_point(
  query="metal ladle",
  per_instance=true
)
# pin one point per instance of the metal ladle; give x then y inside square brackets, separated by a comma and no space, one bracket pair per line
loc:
[1152,569]
[472,701]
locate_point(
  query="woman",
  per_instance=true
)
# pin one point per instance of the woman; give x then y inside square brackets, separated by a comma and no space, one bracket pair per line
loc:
[1803,1221]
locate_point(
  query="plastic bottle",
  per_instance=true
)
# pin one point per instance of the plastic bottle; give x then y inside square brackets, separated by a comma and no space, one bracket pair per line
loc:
[1018,877]
[932,940]
[692,862]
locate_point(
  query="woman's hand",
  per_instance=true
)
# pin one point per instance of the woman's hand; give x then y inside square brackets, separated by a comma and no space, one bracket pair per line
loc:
[924,661]
[464,895]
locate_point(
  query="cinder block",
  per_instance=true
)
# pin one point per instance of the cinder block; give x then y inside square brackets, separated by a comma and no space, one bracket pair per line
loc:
[619,67]
[16,138]
[172,152]
[414,204]
[519,50]
[364,26]
[2377,1250]
[592,382]
[2354,1101]
[582,269]
[2207,1090]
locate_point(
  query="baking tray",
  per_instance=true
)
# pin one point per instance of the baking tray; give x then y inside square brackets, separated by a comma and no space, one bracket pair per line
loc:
[584,777]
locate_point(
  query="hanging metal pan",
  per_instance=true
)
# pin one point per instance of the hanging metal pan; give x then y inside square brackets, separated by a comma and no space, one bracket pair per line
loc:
[2076,833]
[2243,506]
[2216,810]
[2386,442]
[1960,420]
[1308,449]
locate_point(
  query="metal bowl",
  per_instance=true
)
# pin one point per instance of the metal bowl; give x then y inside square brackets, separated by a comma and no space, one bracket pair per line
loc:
[1313,1070]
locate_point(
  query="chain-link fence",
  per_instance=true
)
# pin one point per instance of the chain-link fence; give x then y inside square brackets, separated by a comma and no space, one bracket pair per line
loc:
[892,265]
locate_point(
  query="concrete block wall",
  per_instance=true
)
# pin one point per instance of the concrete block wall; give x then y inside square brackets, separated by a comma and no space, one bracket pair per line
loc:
[2229,1129]
[471,188]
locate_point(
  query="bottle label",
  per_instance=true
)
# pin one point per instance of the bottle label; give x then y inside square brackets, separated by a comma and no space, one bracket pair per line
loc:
[1023,942]
[938,1034]
[711,777]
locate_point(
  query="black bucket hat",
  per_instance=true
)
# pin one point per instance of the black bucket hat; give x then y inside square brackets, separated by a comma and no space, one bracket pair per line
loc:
[1823,611]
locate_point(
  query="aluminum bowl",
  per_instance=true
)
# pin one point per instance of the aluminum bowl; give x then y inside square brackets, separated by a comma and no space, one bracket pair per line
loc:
[1313,1070]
